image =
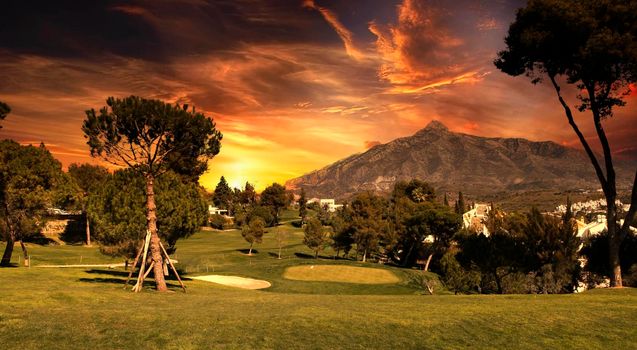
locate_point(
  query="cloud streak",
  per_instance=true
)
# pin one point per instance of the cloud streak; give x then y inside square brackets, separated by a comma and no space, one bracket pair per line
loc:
[332,19]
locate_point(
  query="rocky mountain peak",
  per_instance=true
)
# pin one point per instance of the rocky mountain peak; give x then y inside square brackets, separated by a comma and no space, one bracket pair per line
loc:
[434,125]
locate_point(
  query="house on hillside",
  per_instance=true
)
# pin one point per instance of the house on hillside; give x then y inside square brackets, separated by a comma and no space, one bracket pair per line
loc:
[330,204]
[313,200]
[474,218]
[216,211]
[595,227]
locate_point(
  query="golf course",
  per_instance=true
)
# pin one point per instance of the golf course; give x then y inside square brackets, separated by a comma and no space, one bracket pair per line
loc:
[311,304]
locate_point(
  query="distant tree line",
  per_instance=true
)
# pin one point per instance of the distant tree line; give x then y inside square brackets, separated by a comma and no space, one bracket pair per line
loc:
[523,253]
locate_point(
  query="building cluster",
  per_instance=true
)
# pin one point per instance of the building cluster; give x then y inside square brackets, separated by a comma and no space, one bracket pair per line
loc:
[475,218]
[589,206]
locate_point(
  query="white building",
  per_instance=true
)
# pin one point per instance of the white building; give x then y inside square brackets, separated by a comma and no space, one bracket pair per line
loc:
[330,204]
[216,211]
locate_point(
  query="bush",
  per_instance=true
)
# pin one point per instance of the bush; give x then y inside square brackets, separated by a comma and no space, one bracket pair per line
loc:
[217,221]
[455,277]
[597,262]
[264,213]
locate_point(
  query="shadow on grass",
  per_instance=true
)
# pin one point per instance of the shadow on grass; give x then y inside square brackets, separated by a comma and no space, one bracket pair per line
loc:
[320,257]
[246,251]
[119,277]
[10,265]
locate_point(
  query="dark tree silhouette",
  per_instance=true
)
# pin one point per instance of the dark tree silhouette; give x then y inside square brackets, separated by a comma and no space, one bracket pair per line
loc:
[4,110]
[302,206]
[223,195]
[274,197]
[590,44]
[152,137]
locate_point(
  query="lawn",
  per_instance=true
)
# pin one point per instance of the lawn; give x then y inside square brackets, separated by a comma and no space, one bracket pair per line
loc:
[77,308]
[340,273]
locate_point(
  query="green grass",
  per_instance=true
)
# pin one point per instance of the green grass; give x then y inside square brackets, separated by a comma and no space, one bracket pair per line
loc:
[78,308]
[340,273]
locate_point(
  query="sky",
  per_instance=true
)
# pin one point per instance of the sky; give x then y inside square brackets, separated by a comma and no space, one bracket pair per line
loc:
[293,85]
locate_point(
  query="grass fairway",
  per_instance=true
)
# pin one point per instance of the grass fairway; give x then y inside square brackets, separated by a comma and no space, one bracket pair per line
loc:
[79,308]
[340,273]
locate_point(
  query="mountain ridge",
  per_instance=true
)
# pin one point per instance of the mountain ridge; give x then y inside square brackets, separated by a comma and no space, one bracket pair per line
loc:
[453,162]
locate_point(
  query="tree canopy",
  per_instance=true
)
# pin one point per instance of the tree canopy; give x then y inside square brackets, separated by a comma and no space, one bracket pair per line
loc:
[29,176]
[152,136]
[117,211]
[223,194]
[253,231]
[275,197]
[315,236]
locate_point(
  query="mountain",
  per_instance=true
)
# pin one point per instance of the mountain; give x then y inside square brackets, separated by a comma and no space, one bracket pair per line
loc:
[454,162]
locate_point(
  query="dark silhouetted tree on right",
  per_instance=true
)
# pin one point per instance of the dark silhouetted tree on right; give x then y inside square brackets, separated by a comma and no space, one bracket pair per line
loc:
[590,44]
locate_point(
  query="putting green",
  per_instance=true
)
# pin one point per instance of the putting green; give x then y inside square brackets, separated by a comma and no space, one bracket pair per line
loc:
[340,273]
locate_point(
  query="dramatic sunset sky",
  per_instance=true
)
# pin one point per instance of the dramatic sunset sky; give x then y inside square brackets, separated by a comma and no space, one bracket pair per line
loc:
[293,85]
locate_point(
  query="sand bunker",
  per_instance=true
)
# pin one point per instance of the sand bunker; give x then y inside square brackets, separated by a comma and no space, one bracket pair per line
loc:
[340,273]
[235,281]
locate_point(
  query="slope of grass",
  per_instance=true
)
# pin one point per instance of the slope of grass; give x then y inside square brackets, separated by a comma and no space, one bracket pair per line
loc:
[88,308]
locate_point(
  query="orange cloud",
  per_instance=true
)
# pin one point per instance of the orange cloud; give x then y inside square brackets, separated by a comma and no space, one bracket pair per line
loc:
[419,53]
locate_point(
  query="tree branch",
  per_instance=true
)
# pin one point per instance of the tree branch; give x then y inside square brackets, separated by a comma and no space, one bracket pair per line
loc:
[587,148]
[608,158]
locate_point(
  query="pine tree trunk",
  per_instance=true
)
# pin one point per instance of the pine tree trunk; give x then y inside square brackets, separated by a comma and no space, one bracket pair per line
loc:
[8,251]
[155,250]
[27,259]
[614,241]
[88,230]
[428,261]
[411,249]
[498,282]
[365,255]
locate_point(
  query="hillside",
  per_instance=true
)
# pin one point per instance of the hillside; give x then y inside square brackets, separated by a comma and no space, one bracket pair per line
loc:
[454,162]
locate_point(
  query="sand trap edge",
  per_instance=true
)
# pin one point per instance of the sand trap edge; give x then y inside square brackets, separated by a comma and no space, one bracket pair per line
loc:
[234,281]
